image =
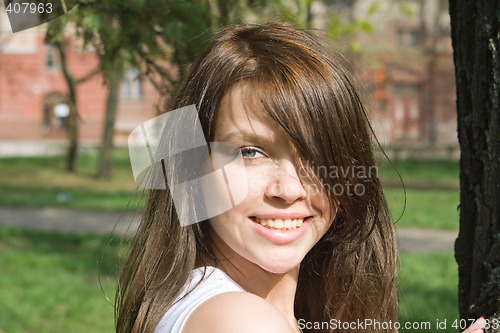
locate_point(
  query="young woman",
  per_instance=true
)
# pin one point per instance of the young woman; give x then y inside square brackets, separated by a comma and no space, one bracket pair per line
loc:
[311,247]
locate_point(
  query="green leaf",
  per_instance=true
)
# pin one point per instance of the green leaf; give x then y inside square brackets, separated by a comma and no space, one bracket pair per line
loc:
[374,8]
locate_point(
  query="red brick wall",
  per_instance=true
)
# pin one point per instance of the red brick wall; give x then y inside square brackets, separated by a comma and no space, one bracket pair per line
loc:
[25,82]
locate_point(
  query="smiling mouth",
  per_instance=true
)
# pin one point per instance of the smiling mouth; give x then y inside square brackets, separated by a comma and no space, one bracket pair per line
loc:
[280,224]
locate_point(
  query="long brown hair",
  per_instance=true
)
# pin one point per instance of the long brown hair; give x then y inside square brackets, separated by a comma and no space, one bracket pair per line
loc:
[350,273]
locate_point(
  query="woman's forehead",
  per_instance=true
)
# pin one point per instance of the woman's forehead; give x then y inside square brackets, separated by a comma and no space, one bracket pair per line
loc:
[240,114]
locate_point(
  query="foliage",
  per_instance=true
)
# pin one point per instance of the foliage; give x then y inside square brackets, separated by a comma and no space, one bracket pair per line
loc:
[135,33]
[406,9]
[296,12]
[342,28]
[143,32]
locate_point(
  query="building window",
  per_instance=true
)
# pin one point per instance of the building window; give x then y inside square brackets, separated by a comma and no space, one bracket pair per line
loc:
[407,37]
[131,87]
[51,57]
[407,90]
[407,111]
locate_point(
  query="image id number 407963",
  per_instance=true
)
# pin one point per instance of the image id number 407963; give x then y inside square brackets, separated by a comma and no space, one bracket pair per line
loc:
[464,323]
[29,7]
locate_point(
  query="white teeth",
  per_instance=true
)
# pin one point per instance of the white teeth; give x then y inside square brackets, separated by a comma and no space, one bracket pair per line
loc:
[280,224]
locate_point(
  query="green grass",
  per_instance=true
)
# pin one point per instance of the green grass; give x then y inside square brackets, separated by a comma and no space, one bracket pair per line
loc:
[421,173]
[432,192]
[428,290]
[50,284]
[43,181]
[432,208]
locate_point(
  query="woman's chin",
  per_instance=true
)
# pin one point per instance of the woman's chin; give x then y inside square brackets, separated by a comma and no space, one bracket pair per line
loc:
[281,267]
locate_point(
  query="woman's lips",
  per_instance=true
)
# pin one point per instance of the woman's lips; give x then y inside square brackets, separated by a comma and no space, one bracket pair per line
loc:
[278,234]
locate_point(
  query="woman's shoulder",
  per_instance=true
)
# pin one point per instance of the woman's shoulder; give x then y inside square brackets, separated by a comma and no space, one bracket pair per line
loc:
[205,283]
[236,312]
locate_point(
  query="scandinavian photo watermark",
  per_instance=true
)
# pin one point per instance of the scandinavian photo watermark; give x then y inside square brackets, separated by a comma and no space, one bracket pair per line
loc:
[206,179]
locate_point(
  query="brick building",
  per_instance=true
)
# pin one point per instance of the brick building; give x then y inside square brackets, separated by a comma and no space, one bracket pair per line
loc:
[406,67]
[33,93]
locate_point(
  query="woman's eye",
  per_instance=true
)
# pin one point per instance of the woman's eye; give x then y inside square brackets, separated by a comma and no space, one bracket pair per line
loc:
[252,152]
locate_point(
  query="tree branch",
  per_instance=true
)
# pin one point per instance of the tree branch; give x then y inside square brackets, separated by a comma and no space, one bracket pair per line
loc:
[88,76]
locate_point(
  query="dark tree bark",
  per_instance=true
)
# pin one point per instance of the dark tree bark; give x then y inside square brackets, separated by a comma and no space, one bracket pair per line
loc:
[114,76]
[72,154]
[475,37]
[55,35]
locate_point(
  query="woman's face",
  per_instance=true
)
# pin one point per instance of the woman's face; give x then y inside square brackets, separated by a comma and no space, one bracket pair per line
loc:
[282,217]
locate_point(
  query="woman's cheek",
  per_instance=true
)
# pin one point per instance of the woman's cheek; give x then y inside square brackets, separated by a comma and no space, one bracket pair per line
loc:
[257,180]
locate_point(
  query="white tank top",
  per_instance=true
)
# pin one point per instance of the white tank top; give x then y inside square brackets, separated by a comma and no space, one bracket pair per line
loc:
[214,283]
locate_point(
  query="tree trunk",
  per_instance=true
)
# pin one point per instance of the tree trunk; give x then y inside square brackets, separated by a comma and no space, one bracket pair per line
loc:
[475,38]
[72,154]
[114,78]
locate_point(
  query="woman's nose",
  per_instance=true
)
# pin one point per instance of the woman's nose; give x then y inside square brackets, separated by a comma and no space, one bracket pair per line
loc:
[285,184]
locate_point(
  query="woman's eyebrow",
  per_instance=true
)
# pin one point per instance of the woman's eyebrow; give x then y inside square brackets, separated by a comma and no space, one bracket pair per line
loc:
[247,135]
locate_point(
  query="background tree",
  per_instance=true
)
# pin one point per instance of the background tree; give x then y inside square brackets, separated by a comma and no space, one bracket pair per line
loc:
[140,34]
[145,34]
[226,12]
[475,36]
[56,36]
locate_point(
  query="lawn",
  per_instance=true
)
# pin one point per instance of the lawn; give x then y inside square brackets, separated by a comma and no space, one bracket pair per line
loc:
[431,191]
[50,284]
[65,283]
[432,208]
[420,173]
[428,291]
[432,194]
[43,181]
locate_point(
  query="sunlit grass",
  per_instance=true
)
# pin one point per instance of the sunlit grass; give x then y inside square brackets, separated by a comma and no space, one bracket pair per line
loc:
[43,181]
[424,174]
[432,208]
[50,283]
[428,290]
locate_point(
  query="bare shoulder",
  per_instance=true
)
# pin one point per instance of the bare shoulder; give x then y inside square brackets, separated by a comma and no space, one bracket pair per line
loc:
[236,312]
